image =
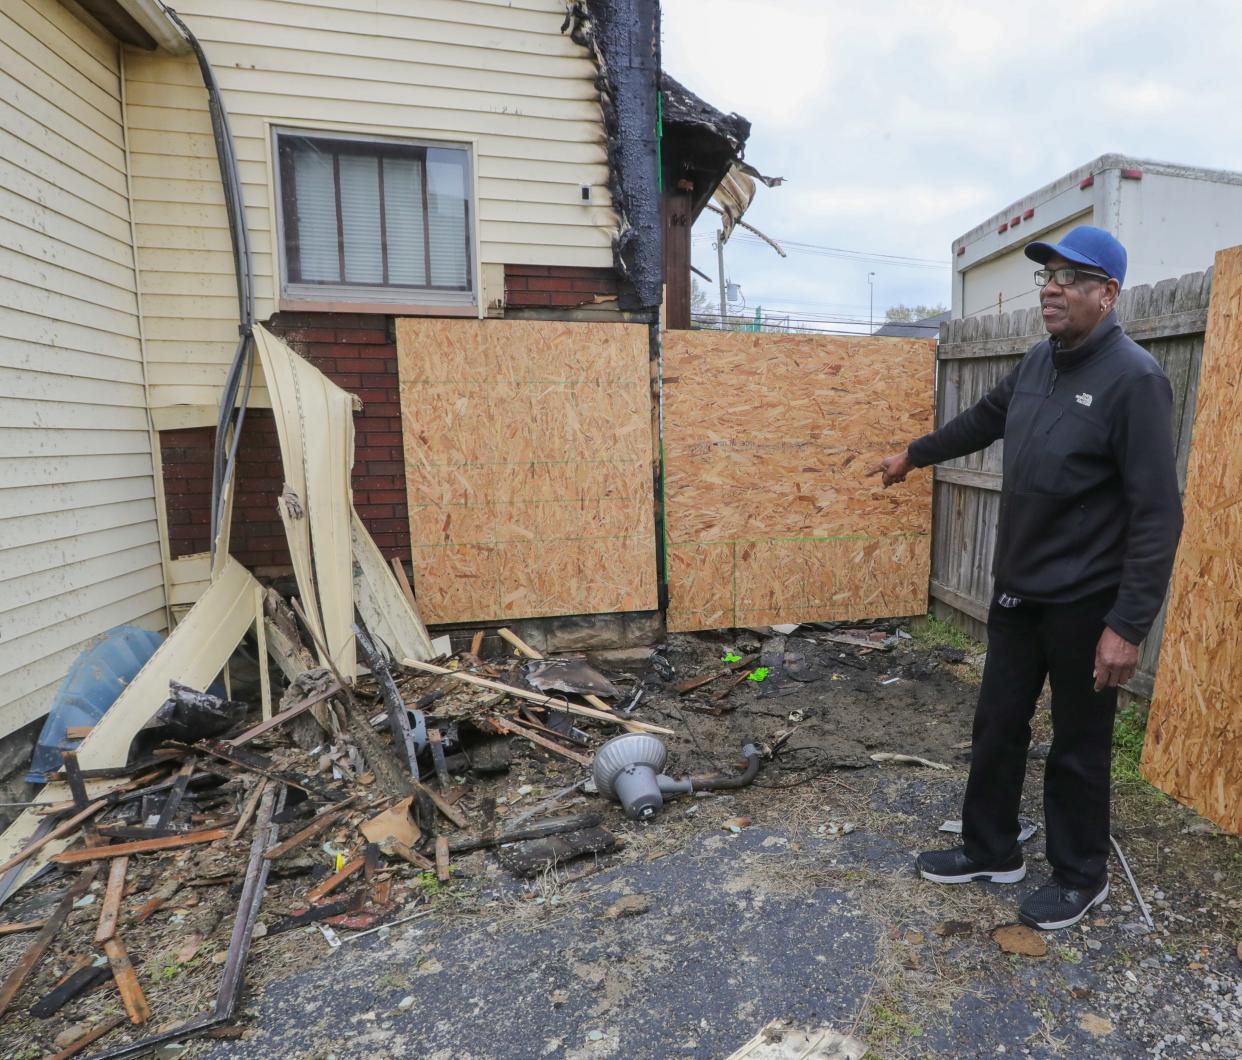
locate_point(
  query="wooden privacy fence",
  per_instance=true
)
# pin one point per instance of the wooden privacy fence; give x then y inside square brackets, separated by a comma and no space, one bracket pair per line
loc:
[1168,319]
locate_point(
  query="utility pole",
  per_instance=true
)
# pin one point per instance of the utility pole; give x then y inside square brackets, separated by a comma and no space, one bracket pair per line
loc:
[720,274]
[871,313]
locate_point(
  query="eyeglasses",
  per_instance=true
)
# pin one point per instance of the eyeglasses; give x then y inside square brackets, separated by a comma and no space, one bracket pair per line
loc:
[1065,276]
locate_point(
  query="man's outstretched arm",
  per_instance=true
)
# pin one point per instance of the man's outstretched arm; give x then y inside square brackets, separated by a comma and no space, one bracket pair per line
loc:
[968,432]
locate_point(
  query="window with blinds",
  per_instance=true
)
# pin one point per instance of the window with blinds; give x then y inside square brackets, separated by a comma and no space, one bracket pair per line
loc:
[371,219]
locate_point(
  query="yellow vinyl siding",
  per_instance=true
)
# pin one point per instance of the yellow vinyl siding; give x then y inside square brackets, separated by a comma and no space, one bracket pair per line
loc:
[79,544]
[500,77]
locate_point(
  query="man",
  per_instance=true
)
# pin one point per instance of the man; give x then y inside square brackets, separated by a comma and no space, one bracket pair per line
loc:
[1089,521]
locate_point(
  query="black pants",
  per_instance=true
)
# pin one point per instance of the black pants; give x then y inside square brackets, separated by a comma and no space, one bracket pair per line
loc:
[1027,643]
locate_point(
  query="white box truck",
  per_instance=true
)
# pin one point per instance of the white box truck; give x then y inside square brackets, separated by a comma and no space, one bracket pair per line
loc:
[1171,219]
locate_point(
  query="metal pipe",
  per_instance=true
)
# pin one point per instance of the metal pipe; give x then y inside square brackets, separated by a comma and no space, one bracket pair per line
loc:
[716,782]
[1133,885]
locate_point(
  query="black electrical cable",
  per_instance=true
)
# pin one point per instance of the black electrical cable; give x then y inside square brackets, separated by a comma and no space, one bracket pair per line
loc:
[236,392]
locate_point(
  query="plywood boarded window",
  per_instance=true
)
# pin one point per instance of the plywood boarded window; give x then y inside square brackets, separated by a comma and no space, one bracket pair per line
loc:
[528,461]
[367,220]
[769,515]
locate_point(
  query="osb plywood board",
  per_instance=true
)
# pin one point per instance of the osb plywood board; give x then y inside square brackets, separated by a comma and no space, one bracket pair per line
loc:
[1194,732]
[769,515]
[528,467]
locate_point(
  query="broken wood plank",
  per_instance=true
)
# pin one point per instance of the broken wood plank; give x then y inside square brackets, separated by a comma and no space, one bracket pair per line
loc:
[531,857]
[857,642]
[393,779]
[127,982]
[252,804]
[260,640]
[532,720]
[173,803]
[436,740]
[127,832]
[254,884]
[691,683]
[141,846]
[334,881]
[91,1036]
[903,759]
[730,686]
[73,777]
[257,763]
[404,852]
[398,717]
[476,644]
[14,927]
[285,715]
[371,860]
[540,830]
[521,645]
[166,891]
[517,729]
[110,908]
[447,808]
[551,702]
[442,859]
[39,944]
[79,981]
[309,915]
[56,833]
[407,590]
[329,816]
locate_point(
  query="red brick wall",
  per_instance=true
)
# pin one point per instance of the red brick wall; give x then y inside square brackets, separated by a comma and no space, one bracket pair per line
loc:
[356,353]
[549,286]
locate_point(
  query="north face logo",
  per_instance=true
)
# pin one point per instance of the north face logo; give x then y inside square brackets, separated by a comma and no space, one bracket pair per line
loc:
[1083,399]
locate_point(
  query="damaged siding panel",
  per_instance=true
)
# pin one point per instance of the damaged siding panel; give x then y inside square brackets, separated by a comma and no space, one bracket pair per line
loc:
[79,545]
[503,79]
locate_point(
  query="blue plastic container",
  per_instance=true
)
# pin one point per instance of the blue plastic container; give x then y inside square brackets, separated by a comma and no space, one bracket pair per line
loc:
[97,678]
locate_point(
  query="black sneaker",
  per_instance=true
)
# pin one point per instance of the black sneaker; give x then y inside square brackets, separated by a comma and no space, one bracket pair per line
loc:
[953,866]
[1053,906]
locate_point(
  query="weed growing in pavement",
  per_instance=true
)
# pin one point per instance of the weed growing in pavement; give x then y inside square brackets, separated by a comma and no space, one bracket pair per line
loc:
[886,1025]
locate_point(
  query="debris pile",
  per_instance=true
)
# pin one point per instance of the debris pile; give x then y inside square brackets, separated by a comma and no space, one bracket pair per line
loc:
[346,809]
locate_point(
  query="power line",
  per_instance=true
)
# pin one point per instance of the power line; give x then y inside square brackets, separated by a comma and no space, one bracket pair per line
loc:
[820,250]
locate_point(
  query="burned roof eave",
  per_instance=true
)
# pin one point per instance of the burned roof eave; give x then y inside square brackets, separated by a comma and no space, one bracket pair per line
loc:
[701,143]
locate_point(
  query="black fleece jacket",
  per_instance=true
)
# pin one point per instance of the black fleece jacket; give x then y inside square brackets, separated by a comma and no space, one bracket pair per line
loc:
[1089,498]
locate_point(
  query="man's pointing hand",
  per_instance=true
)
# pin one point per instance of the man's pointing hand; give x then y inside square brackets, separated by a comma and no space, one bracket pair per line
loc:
[894,468]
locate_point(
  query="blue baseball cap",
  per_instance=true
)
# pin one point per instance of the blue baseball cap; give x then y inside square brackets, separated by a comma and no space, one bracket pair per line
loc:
[1085,245]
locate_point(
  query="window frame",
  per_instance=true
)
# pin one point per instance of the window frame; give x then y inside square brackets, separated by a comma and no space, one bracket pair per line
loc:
[347,295]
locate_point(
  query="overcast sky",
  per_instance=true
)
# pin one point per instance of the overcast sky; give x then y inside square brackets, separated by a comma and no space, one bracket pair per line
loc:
[901,124]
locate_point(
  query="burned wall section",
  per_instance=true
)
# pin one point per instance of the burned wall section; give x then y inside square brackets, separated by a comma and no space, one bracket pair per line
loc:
[355,352]
[623,37]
